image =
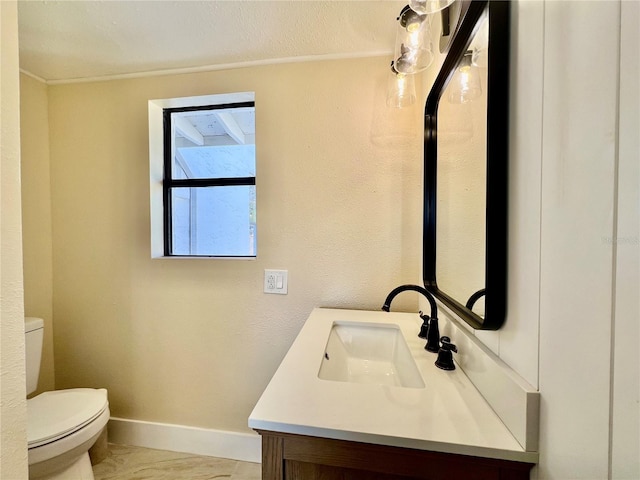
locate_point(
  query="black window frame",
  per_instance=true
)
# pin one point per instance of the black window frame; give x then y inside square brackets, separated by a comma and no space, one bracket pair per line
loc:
[169,183]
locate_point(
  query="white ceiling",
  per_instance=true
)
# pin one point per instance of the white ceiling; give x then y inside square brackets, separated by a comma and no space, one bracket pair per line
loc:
[67,40]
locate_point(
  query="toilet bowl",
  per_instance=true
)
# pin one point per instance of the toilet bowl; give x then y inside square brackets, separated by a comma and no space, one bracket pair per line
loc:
[61,425]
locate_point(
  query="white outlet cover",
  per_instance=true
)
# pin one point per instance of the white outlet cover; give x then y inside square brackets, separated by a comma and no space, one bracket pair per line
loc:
[276,281]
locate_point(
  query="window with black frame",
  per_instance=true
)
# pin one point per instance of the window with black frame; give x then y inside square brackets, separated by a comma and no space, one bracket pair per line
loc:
[209,184]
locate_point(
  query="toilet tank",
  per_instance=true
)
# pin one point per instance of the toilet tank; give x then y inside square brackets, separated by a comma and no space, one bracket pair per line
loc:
[34,333]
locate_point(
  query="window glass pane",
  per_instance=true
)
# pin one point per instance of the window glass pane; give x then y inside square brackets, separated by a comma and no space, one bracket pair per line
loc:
[214,221]
[181,219]
[216,143]
[230,161]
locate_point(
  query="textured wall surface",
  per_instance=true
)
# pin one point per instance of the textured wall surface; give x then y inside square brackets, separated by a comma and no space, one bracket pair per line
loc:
[194,342]
[13,435]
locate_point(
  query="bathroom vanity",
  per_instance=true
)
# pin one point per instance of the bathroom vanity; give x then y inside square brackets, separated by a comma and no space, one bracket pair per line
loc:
[347,403]
[299,457]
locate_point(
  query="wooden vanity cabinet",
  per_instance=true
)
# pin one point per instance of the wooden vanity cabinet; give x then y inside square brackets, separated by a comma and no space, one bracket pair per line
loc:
[298,457]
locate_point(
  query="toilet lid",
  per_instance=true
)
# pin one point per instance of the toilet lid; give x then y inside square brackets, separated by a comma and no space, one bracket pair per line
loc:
[55,414]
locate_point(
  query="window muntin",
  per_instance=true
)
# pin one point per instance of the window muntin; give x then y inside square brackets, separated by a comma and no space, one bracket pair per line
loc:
[209,181]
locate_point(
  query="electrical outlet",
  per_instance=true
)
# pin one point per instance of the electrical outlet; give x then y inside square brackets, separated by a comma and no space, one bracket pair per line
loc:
[276,281]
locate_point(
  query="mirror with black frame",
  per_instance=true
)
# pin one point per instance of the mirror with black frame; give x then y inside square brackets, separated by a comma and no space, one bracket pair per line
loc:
[465,155]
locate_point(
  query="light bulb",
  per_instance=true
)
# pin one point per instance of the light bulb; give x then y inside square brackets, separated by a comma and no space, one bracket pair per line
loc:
[465,84]
[401,90]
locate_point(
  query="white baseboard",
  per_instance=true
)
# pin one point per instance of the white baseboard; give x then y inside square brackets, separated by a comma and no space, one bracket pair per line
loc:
[179,438]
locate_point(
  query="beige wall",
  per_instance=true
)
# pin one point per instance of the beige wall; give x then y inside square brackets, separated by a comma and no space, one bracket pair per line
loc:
[13,435]
[194,342]
[36,216]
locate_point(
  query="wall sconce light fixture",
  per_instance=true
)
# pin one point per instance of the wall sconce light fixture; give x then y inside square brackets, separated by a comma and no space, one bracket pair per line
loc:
[401,91]
[413,52]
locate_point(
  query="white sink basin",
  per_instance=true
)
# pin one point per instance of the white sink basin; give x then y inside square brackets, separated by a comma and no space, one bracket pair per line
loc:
[369,353]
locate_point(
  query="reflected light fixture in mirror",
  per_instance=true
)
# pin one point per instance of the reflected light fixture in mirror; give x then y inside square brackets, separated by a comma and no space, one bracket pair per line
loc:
[465,84]
[482,305]
[424,7]
[401,91]
[413,51]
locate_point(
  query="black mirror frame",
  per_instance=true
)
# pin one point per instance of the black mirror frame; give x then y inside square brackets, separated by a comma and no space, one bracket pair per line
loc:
[497,162]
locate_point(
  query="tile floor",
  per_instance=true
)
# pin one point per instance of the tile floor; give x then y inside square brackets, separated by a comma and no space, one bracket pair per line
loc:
[136,463]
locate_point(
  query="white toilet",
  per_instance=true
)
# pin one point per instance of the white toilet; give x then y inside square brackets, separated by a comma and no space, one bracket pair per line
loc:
[61,425]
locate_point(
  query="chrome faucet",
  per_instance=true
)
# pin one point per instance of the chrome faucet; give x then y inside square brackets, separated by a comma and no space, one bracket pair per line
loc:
[429,329]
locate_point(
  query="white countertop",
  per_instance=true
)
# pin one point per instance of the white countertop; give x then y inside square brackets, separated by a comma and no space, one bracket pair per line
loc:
[447,415]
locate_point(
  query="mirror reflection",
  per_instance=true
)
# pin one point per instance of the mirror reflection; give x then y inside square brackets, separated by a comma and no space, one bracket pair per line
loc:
[462,176]
[466,169]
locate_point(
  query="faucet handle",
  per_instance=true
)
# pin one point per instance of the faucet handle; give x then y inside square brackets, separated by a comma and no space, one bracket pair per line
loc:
[445,355]
[447,345]
[424,328]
